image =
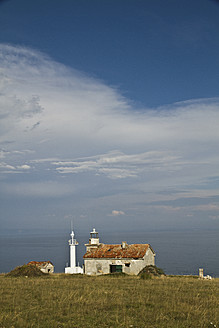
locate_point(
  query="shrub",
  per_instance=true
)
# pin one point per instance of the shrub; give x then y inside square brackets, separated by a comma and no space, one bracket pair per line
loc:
[152,271]
[26,271]
[145,276]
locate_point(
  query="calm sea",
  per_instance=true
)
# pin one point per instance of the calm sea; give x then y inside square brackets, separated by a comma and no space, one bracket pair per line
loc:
[176,252]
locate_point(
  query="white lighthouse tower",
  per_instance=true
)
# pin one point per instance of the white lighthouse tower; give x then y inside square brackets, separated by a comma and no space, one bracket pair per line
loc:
[73,268]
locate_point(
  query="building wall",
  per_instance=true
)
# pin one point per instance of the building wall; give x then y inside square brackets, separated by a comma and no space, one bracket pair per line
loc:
[129,266]
[74,270]
[48,269]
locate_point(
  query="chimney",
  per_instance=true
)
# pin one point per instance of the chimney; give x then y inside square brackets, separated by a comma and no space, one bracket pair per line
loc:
[124,244]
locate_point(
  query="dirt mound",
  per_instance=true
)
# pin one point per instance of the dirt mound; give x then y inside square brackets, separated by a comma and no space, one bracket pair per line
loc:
[26,271]
[151,271]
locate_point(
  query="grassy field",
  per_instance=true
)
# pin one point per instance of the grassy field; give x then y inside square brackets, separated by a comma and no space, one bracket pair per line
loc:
[108,301]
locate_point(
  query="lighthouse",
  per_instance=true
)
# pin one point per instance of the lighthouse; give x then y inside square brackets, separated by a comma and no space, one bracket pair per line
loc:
[73,268]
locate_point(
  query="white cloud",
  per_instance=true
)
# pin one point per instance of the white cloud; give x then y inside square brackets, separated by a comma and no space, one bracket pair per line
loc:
[117,165]
[114,173]
[55,107]
[6,166]
[116,213]
[24,167]
[56,123]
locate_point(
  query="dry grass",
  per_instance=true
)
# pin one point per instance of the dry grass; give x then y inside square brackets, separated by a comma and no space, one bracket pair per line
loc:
[123,301]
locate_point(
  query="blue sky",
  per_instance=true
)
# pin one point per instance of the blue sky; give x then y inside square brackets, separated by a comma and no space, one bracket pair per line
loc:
[109,114]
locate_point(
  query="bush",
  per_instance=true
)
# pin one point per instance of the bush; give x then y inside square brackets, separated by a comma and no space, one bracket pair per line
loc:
[151,271]
[145,276]
[26,271]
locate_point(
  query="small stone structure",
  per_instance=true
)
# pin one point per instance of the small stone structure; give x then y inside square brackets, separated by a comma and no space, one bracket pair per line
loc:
[103,259]
[201,273]
[44,266]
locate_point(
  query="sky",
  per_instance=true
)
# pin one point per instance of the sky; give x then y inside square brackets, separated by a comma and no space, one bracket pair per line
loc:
[109,114]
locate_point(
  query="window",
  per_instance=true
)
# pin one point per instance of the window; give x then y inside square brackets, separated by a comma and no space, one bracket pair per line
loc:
[127,265]
[115,268]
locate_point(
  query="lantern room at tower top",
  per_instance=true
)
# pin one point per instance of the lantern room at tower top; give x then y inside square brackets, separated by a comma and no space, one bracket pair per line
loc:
[94,236]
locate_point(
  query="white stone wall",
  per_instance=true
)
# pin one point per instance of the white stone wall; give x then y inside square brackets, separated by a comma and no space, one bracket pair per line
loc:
[48,269]
[74,270]
[102,266]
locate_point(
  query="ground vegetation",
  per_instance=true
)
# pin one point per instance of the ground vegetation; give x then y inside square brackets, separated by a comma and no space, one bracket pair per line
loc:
[118,301]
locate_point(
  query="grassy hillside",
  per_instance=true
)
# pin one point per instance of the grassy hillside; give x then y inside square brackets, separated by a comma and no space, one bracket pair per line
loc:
[108,301]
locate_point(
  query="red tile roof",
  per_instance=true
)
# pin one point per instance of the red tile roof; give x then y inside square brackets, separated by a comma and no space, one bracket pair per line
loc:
[116,251]
[42,263]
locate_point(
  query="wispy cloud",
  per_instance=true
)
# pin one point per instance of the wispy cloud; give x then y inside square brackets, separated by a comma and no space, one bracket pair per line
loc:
[13,169]
[57,123]
[119,165]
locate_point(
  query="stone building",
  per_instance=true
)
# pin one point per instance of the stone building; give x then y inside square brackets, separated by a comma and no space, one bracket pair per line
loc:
[106,258]
[44,266]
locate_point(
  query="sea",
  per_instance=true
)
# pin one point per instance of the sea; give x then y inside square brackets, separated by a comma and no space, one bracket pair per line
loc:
[177,252]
